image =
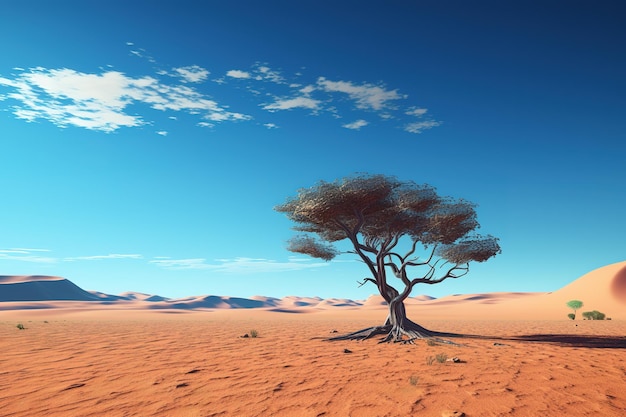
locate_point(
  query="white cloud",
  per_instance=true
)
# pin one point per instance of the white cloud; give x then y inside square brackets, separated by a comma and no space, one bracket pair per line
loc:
[419,127]
[366,96]
[416,111]
[265,73]
[30,255]
[293,103]
[307,90]
[356,125]
[99,101]
[258,72]
[108,100]
[101,257]
[192,74]
[23,250]
[238,265]
[25,255]
[238,74]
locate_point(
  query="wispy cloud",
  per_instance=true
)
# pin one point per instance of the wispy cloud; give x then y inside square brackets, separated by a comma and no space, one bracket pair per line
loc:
[26,255]
[23,250]
[238,265]
[293,103]
[67,97]
[356,125]
[192,74]
[34,256]
[419,127]
[108,100]
[416,111]
[238,74]
[103,257]
[366,96]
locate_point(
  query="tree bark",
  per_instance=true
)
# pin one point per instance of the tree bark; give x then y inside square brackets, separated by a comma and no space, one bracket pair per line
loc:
[397,327]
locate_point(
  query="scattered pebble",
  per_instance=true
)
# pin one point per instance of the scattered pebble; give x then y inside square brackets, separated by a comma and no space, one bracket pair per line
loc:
[245,335]
[347,351]
[455,360]
[181,385]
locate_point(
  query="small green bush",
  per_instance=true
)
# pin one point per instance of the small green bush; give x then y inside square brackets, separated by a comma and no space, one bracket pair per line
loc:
[254,333]
[594,315]
[20,326]
[431,342]
[571,316]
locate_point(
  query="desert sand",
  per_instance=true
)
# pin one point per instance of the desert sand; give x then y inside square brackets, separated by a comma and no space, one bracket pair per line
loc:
[518,356]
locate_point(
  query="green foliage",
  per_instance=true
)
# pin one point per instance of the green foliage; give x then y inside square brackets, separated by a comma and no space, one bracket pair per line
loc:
[571,316]
[20,326]
[574,305]
[594,315]
[254,333]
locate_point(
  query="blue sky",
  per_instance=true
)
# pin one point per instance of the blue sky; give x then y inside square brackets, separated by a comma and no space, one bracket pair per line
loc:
[144,144]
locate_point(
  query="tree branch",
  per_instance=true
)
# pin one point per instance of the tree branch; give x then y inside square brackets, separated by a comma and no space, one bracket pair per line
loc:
[449,274]
[366,280]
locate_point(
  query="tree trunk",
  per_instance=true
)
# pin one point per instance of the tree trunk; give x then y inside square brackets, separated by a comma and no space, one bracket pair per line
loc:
[397,327]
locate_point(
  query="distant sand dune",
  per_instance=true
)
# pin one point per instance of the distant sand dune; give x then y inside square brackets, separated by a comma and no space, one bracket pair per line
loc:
[41,288]
[603,289]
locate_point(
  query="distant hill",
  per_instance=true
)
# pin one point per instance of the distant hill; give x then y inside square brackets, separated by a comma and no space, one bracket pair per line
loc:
[603,289]
[41,288]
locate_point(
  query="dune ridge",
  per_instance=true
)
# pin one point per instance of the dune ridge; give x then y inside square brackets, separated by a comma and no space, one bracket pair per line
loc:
[603,289]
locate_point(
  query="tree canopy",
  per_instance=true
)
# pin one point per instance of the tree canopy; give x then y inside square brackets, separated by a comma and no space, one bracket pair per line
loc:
[378,214]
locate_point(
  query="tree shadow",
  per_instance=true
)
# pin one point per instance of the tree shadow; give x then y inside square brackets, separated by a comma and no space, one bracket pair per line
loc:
[564,340]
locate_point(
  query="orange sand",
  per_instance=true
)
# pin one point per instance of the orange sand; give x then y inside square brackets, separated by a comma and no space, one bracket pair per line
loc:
[520,355]
[138,363]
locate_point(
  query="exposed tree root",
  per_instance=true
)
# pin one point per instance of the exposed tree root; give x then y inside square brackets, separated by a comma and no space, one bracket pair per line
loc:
[408,332]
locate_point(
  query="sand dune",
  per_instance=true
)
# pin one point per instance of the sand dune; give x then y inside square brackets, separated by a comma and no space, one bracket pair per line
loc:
[603,289]
[41,288]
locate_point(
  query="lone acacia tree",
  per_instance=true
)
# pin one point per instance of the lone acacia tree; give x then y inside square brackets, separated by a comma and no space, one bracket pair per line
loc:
[574,305]
[378,214]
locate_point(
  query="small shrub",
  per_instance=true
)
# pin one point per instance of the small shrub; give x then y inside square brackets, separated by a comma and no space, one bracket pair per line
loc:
[571,316]
[20,326]
[254,333]
[441,357]
[414,379]
[431,342]
[594,315]
[430,360]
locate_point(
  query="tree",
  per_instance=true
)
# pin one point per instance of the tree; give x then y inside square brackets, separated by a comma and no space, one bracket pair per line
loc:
[574,305]
[378,215]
